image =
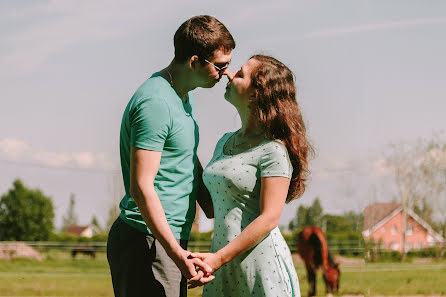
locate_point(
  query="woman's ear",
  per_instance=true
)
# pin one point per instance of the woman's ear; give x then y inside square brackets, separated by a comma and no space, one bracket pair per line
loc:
[193,62]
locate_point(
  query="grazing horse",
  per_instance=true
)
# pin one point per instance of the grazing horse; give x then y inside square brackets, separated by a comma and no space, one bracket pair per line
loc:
[313,249]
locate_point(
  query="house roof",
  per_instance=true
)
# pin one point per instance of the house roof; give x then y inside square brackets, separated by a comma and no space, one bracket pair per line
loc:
[74,229]
[376,212]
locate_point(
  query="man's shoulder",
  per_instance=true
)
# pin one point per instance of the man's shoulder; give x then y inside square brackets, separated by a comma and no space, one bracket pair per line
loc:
[155,86]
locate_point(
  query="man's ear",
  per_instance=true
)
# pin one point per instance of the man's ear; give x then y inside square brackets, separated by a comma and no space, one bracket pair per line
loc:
[193,62]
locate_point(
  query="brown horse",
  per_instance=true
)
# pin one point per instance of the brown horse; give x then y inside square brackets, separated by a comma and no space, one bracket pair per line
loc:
[313,249]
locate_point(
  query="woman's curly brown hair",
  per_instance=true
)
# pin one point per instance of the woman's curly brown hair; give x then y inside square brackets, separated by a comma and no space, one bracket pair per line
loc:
[280,116]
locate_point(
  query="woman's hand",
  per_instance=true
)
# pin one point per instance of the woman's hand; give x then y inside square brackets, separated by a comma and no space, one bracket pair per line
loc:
[190,266]
[214,260]
[211,259]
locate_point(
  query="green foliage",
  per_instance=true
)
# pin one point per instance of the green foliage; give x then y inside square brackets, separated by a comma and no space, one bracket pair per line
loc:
[100,237]
[70,218]
[349,221]
[113,213]
[390,256]
[67,237]
[201,236]
[290,237]
[25,214]
[430,252]
[63,237]
[314,214]
[346,243]
[95,222]
[307,216]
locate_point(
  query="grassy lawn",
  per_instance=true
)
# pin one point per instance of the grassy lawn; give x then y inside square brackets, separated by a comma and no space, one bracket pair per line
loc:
[59,275]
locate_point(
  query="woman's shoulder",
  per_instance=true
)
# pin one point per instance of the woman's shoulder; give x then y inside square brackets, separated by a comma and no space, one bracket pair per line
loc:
[274,160]
[273,145]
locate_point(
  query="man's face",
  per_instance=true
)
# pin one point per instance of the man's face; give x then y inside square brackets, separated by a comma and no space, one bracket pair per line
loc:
[211,70]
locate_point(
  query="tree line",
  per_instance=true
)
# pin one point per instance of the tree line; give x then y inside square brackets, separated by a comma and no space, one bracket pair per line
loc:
[28,215]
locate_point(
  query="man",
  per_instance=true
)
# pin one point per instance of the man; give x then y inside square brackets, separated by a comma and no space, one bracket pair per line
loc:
[146,248]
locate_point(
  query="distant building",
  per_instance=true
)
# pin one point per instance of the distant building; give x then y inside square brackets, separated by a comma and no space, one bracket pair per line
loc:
[383,222]
[82,231]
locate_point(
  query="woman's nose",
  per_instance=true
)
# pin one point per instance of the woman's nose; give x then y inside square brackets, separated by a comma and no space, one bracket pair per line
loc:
[230,75]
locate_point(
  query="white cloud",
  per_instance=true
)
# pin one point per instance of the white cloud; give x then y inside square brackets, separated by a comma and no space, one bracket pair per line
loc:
[13,148]
[21,152]
[380,168]
[84,159]
[375,27]
[51,159]
[330,167]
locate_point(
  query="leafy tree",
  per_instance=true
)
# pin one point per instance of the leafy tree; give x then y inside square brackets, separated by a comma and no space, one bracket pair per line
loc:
[70,218]
[419,174]
[113,213]
[25,214]
[348,222]
[425,211]
[314,214]
[95,222]
[336,223]
[307,216]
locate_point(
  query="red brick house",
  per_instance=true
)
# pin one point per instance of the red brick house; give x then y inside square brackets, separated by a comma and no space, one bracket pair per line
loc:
[383,222]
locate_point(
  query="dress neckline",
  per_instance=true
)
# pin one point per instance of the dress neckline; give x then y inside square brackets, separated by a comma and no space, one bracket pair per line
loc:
[222,151]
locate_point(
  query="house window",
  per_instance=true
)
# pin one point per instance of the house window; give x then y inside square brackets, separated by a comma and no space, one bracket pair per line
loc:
[418,245]
[394,246]
[393,230]
[408,246]
[409,230]
[383,230]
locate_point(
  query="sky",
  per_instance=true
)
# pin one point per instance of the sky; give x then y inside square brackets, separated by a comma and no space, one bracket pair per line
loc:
[368,73]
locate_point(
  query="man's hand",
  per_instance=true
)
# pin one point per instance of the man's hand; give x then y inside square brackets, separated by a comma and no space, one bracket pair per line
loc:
[187,264]
[213,260]
[199,280]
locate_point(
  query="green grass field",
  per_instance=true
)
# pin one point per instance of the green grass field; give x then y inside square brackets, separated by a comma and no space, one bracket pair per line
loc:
[59,275]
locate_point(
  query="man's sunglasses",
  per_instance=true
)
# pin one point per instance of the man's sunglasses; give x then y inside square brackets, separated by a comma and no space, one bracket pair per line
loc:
[219,69]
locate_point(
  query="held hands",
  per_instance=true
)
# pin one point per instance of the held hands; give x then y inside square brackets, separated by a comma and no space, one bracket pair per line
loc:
[189,265]
[202,277]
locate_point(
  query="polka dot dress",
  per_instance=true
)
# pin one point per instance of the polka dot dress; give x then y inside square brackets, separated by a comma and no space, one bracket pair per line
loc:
[234,183]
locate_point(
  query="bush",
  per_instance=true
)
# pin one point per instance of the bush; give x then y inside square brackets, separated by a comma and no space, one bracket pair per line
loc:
[389,256]
[201,236]
[346,243]
[67,237]
[430,252]
[63,237]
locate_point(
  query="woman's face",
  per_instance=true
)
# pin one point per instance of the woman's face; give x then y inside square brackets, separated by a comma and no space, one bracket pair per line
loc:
[239,90]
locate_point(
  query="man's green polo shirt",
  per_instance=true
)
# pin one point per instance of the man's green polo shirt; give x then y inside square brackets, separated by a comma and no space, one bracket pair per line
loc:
[157,119]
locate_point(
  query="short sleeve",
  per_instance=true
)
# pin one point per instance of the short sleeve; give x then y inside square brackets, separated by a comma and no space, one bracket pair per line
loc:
[275,161]
[149,124]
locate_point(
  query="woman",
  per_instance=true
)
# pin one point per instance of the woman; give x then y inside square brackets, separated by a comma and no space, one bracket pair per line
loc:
[252,174]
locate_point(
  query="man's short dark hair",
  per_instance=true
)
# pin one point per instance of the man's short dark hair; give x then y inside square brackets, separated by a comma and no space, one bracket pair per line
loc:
[201,35]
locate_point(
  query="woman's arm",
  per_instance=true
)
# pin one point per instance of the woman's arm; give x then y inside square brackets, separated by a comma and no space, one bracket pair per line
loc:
[273,193]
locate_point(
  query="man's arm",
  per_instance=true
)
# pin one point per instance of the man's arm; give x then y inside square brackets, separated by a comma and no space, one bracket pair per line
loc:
[144,165]
[204,198]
